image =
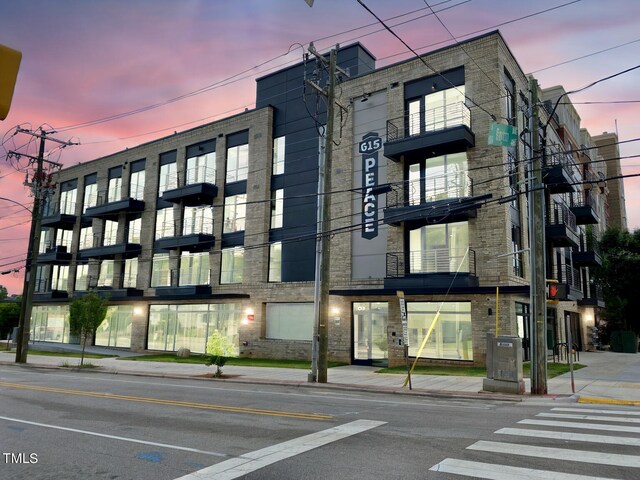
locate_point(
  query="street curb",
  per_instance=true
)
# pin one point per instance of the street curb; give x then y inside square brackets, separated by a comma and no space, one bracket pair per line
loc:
[609,401]
[333,386]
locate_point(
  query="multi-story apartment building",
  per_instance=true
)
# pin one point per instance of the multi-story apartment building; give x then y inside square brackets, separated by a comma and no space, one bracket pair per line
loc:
[214,228]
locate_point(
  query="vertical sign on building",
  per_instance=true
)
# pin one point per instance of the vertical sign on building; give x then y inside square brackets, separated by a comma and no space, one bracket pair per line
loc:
[368,148]
[405,332]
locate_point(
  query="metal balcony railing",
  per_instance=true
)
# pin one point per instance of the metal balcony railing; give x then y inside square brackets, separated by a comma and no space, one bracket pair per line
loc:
[66,207]
[559,214]
[567,274]
[440,260]
[433,120]
[441,187]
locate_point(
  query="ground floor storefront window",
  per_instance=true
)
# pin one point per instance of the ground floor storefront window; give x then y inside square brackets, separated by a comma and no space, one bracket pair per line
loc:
[115,330]
[50,324]
[172,327]
[451,336]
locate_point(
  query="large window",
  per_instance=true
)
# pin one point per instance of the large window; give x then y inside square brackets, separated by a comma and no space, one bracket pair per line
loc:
[105,278]
[110,233]
[451,337]
[201,169]
[114,190]
[290,321]
[194,268]
[63,238]
[232,265]
[137,180]
[278,155]
[275,262]
[439,248]
[235,208]
[168,178]
[60,277]
[277,202]
[175,326]
[86,238]
[197,220]
[90,198]
[438,178]
[438,111]
[164,223]
[130,273]
[237,163]
[68,201]
[50,324]
[134,229]
[82,277]
[160,274]
[115,330]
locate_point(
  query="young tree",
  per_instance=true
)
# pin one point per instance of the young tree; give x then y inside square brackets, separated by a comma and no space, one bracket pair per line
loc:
[620,277]
[86,313]
[218,350]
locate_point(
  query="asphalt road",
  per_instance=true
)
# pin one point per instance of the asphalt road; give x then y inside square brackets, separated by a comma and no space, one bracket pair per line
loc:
[66,425]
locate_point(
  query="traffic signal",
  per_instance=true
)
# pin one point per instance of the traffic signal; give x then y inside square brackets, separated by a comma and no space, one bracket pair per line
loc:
[9,66]
[556,291]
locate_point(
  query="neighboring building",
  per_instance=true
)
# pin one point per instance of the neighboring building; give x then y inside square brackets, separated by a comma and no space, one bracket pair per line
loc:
[214,227]
[607,144]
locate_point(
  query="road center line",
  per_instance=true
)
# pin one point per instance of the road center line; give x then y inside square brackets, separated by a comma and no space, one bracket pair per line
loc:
[113,437]
[178,403]
[250,462]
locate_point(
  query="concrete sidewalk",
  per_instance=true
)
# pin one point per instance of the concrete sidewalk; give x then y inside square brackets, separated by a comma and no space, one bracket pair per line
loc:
[612,378]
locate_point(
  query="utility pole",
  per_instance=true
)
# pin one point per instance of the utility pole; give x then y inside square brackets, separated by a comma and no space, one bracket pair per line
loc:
[39,185]
[538,297]
[320,341]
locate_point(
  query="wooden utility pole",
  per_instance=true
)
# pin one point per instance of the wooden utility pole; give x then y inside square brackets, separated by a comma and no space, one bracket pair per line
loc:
[320,342]
[40,186]
[538,297]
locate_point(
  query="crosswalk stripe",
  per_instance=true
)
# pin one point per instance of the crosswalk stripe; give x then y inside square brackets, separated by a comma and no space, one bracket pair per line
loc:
[590,417]
[586,426]
[596,410]
[558,453]
[576,437]
[504,472]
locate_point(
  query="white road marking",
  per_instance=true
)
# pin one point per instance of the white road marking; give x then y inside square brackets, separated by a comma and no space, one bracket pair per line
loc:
[576,437]
[558,453]
[249,462]
[594,410]
[590,417]
[586,426]
[114,437]
[504,472]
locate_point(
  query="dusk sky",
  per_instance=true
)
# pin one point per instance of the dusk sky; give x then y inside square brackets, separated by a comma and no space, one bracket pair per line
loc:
[85,60]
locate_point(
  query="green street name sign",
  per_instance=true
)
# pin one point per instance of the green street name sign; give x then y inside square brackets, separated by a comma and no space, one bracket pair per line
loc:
[503,135]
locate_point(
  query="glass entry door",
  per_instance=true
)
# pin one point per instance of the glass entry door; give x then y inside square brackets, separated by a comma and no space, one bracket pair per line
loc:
[370,342]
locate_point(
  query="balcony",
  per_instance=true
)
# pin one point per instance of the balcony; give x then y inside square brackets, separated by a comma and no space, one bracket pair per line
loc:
[570,276]
[197,236]
[561,230]
[594,297]
[199,188]
[56,255]
[447,198]
[557,172]
[588,254]
[122,286]
[56,215]
[44,292]
[110,252]
[584,209]
[109,209]
[185,283]
[441,130]
[434,270]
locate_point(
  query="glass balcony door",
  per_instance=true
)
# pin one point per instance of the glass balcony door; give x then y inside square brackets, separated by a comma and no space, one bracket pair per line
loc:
[370,343]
